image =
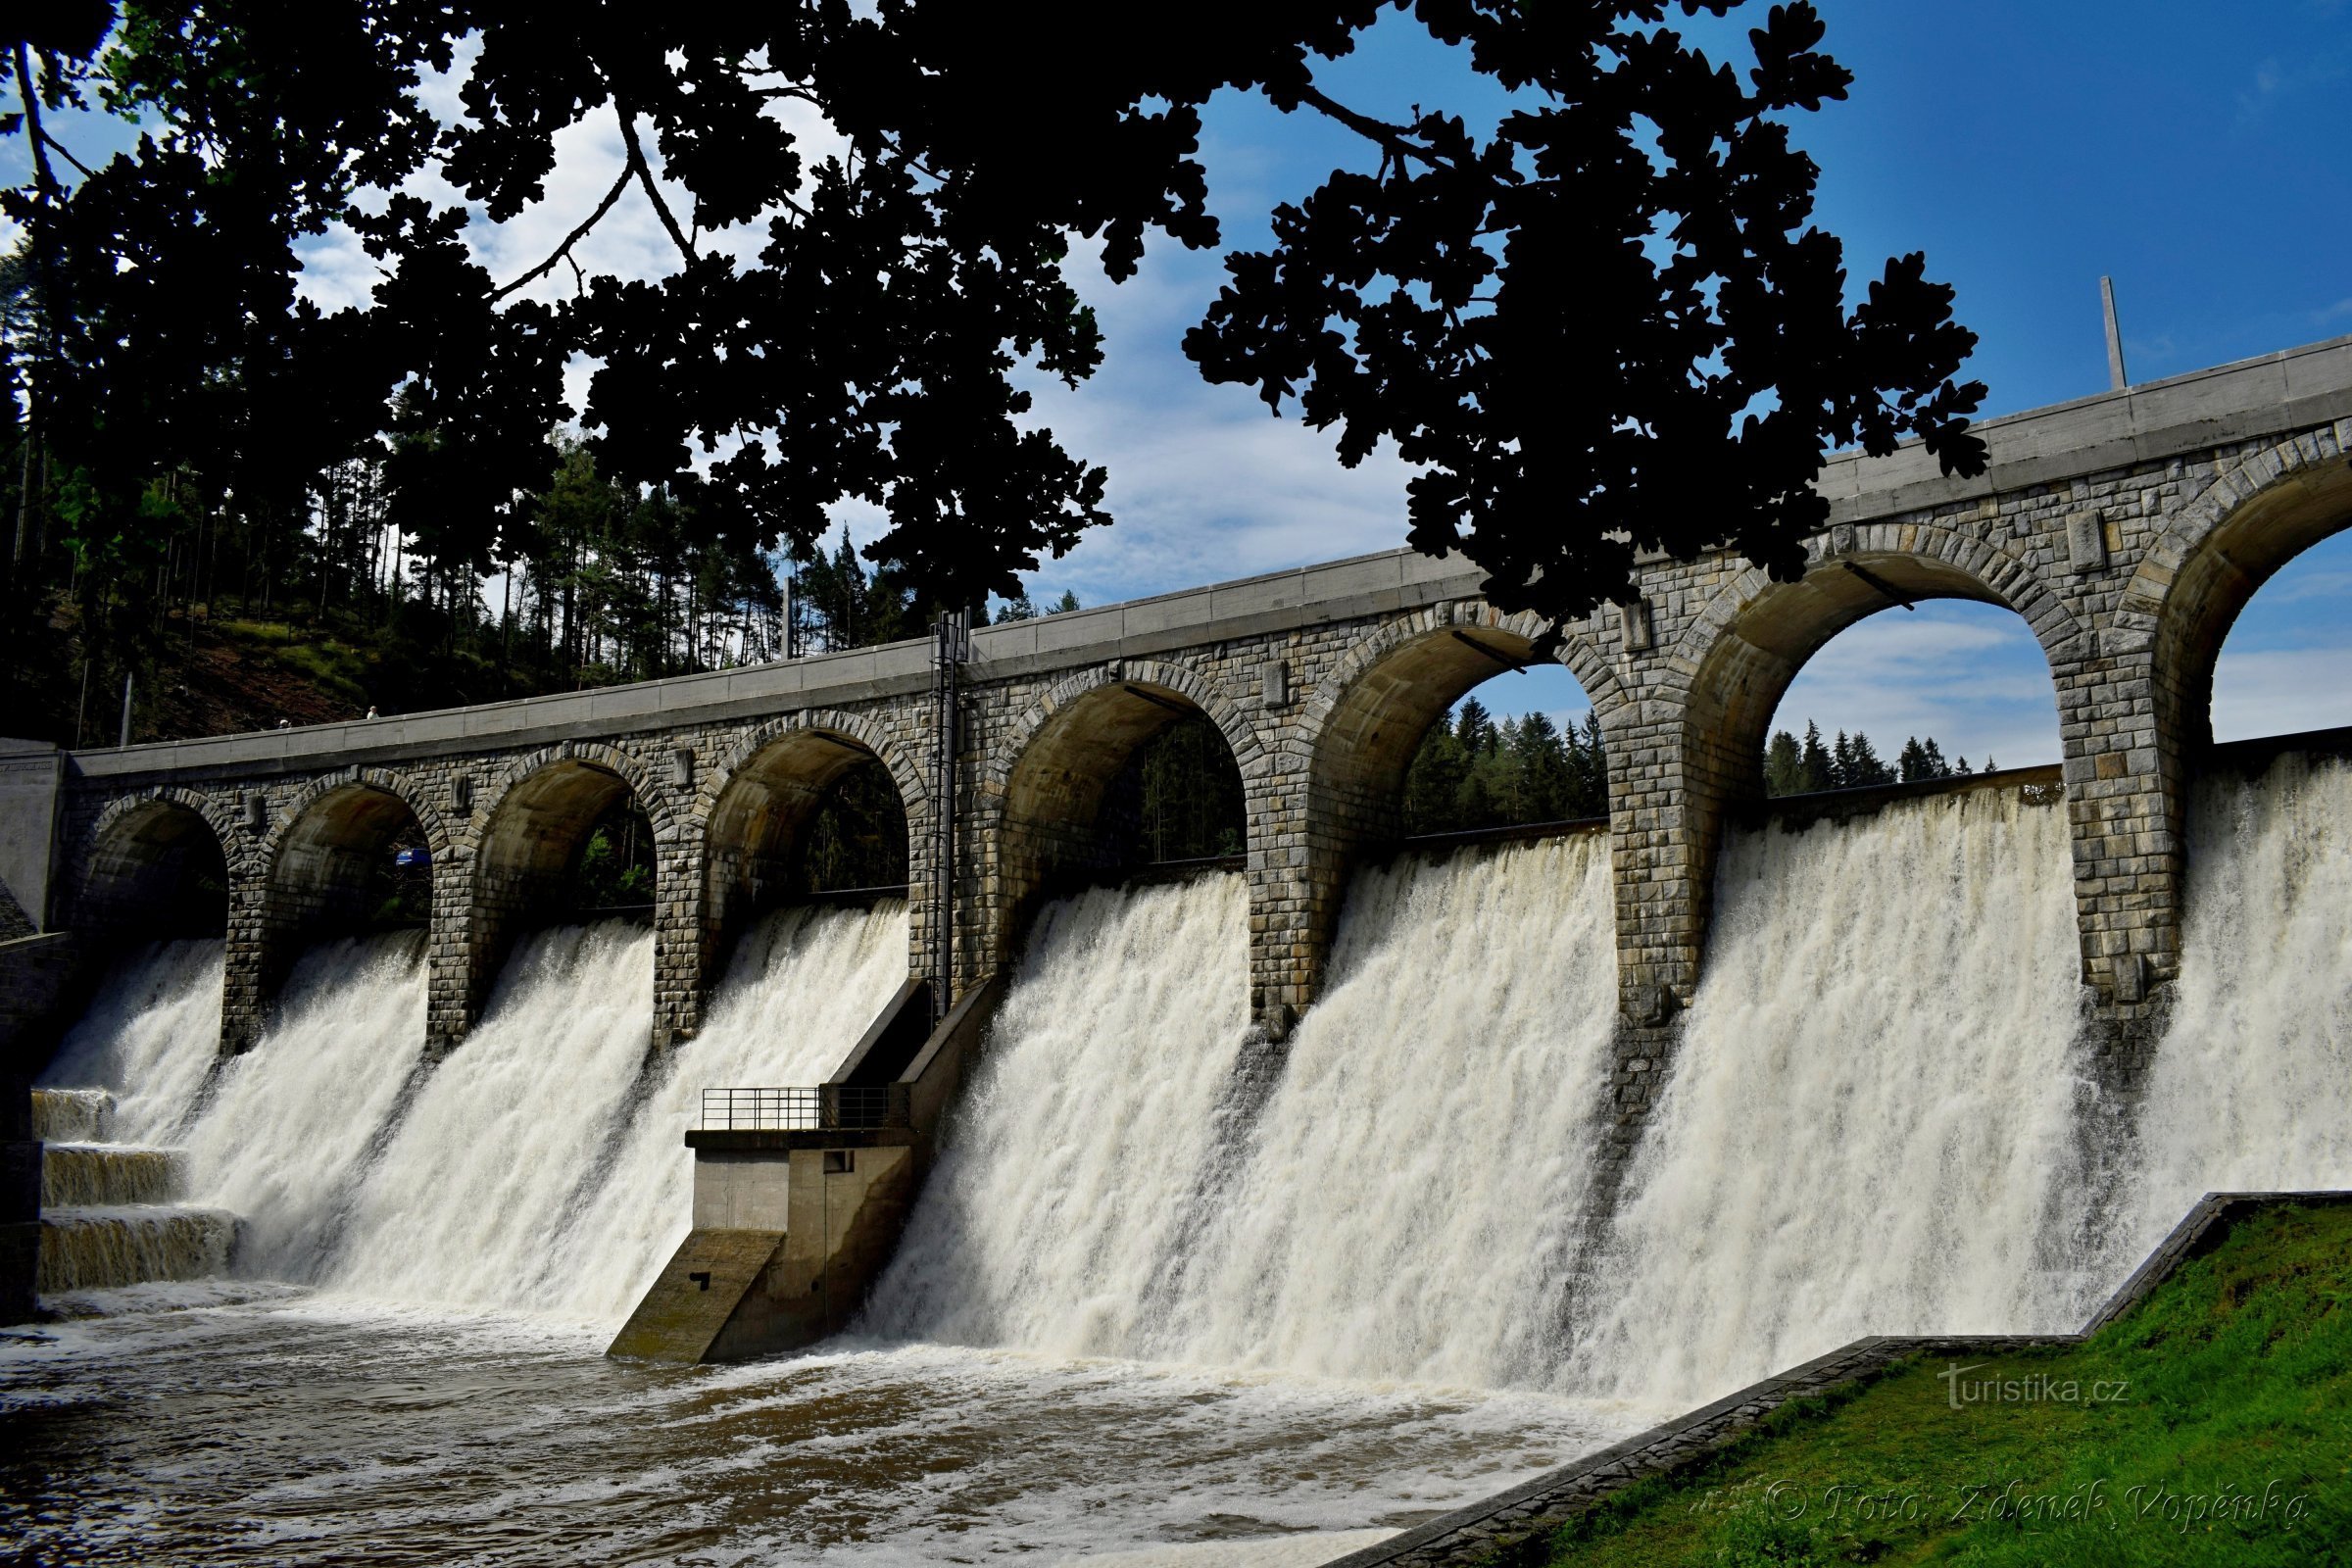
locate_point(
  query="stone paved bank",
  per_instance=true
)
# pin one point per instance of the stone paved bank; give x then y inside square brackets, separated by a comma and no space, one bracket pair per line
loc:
[2127,530]
[1477,1533]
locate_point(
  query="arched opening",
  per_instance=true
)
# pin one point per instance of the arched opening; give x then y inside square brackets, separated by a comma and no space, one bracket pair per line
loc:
[1130,775]
[1950,689]
[1453,735]
[355,860]
[1458,730]
[813,813]
[157,870]
[1738,692]
[569,843]
[2253,640]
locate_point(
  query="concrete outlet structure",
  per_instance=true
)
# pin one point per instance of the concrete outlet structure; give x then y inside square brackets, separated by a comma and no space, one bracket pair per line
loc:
[2126,529]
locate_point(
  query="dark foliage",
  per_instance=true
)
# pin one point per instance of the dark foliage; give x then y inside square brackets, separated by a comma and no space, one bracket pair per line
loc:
[613,867]
[1473,773]
[858,836]
[1179,796]
[1851,761]
[1612,327]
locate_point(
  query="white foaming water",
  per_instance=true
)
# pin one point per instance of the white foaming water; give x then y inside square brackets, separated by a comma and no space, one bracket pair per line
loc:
[1406,1203]
[1870,1114]
[1086,1131]
[463,1205]
[151,1037]
[2251,1087]
[290,1120]
[801,988]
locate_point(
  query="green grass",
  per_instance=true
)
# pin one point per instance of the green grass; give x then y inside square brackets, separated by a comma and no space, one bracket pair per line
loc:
[2211,1425]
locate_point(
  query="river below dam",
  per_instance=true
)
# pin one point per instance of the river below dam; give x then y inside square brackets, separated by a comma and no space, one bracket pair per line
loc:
[1138,1317]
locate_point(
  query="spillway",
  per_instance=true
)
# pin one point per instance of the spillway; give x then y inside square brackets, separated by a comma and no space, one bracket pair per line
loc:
[149,1039]
[1867,1127]
[799,989]
[1168,1286]
[2251,1086]
[1079,1147]
[291,1122]
[126,1082]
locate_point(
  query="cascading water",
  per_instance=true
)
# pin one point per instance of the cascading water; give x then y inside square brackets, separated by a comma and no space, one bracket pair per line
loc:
[1401,1206]
[801,987]
[2251,1086]
[1086,1130]
[290,1121]
[149,1038]
[1868,1127]
[90,1175]
[1407,1205]
[127,1077]
[1867,1122]
[461,1206]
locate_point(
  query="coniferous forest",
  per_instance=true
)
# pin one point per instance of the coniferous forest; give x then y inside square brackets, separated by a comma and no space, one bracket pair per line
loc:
[1473,772]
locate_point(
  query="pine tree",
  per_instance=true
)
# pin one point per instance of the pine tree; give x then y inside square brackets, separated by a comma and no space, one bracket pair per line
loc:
[1474,727]
[1863,768]
[1591,791]
[1784,766]
[1065,604]
[1819,768]
[1545,782]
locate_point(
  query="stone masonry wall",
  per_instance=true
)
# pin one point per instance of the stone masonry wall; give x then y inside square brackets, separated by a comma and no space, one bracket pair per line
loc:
[2118,574]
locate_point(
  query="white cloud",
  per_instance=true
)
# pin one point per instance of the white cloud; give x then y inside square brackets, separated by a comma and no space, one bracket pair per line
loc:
[2281,691]
[1969,675]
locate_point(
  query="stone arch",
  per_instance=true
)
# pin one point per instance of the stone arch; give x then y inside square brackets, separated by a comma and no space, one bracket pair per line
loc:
[1734,662]
[1042,784]
[876,740]
[1359,733]
[317,860]
[2211,557]
[1720,681]
[659,805]
[316,880]
[1369,713]
[407,791]
[148,860]
[751,805]
[525,833]
[1006,752]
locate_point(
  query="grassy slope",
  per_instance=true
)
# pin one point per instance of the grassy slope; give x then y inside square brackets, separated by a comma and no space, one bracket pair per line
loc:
[2231,1443]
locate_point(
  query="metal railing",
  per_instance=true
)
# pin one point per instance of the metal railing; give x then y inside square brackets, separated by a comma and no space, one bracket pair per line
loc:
[825,1107]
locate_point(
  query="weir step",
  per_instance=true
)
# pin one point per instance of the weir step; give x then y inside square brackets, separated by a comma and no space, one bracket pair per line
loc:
[712,1302]
[71,1115]
[110,1175]
[103,1248]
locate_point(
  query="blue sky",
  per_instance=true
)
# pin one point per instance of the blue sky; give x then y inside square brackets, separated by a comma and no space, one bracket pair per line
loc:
[2193,151]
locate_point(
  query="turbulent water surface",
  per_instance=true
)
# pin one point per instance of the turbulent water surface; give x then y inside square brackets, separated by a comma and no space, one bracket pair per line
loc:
[1170,1296]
